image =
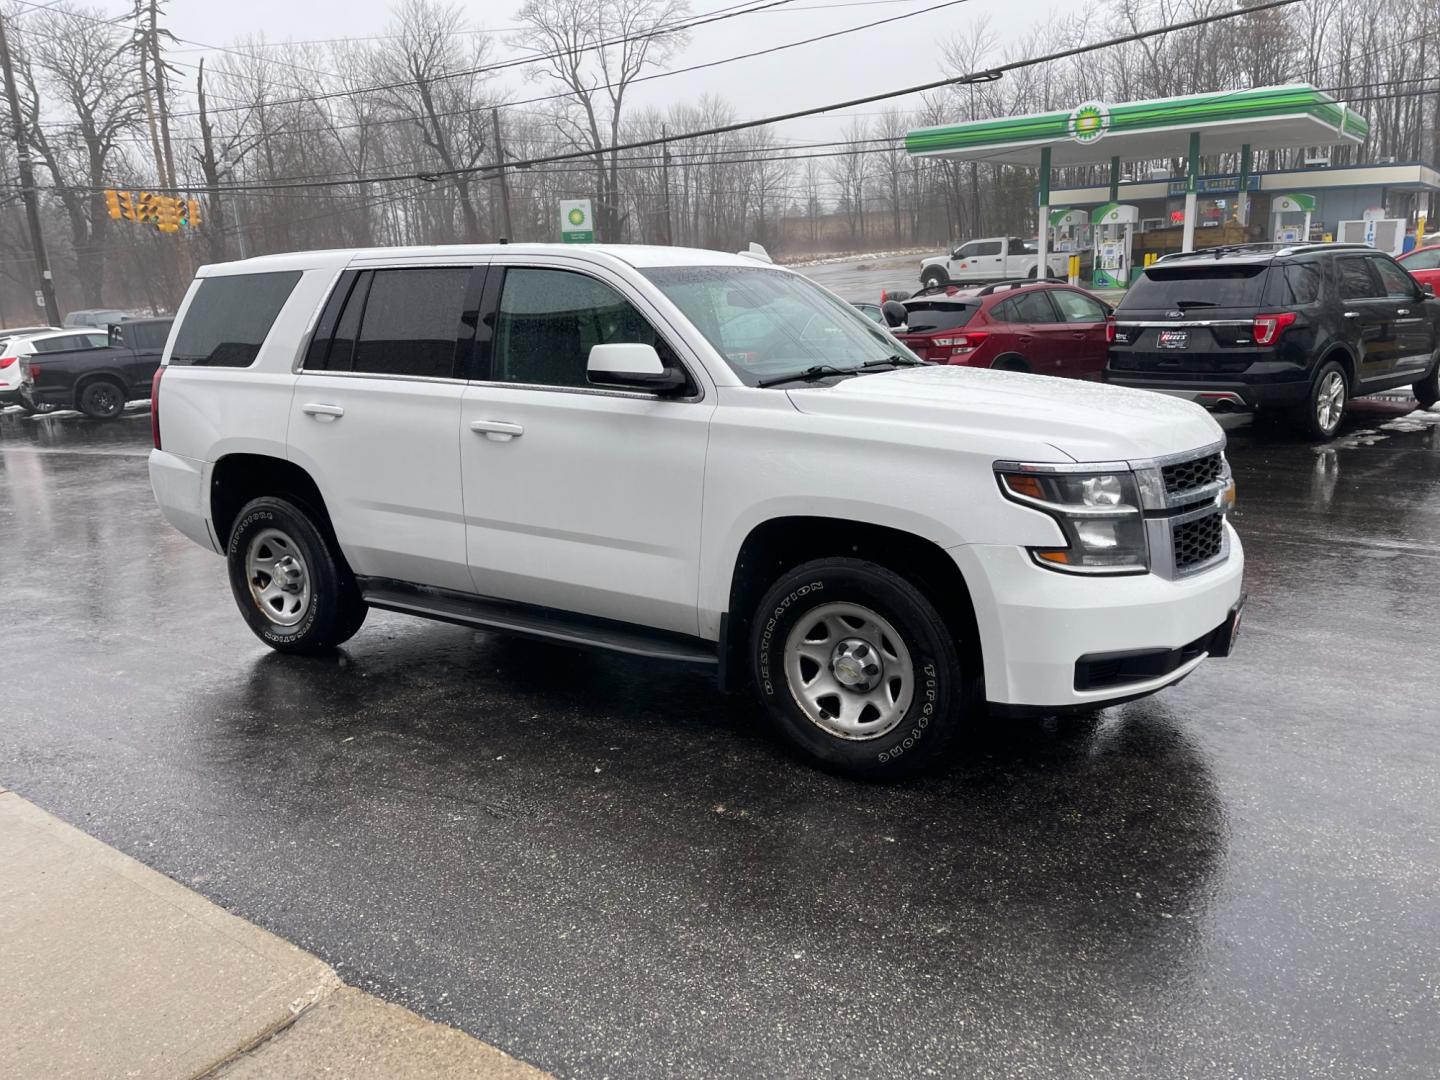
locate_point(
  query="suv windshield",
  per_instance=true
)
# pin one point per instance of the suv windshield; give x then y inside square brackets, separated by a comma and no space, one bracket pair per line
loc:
[769,323]
[922,316]
[1192,286]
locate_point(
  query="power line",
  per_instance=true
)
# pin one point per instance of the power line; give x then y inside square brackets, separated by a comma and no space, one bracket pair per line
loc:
[987,75]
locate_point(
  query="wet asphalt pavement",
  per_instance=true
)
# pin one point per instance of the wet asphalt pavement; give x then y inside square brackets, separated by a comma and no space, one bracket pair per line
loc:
[607,869]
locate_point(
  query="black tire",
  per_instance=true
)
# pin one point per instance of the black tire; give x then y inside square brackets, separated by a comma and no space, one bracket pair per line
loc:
[101,399]
[330,610]
[1034,271]
[1011,363]
[934,277]
[1427,390]
[929,715]
[1309,418]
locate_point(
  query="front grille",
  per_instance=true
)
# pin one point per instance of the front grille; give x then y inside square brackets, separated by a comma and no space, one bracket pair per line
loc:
[1188,475]
[1199,541]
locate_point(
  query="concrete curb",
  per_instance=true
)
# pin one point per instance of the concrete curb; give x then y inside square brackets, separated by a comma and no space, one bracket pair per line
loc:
[114,970]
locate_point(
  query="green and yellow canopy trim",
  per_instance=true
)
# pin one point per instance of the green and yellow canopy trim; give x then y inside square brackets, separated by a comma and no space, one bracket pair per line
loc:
[1294,203]
[1094,131]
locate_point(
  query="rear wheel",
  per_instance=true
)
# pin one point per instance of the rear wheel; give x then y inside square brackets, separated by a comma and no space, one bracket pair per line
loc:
[858,669]
[1011,363]
[101,399]
[1324,408]
[291,589]
[1427,390]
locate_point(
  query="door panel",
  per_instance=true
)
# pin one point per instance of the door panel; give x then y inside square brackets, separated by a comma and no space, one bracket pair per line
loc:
[578,498]
[385,455]
[1369,316]
[1082,348]
[1414,334]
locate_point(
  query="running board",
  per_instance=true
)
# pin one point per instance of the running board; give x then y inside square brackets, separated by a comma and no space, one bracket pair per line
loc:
[548,624]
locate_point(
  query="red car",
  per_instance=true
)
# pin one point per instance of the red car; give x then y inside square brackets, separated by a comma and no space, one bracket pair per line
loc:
[1024,325]
[1424,265]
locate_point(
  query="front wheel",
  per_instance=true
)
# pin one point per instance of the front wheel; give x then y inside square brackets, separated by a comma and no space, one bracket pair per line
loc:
[858,669]
[1427,390]
[101,400]
[1319,418]
[934,278]
[290,587]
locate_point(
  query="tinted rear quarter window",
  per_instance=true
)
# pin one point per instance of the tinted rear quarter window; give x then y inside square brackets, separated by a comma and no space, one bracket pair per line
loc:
[411,322]
[924,317]
[229,318]
[1186,287]
[1356,280]
[1303,283]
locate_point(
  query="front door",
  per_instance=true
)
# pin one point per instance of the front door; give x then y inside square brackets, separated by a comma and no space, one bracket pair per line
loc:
[1081,347]
[1414,333]
[375,419]
[578,498]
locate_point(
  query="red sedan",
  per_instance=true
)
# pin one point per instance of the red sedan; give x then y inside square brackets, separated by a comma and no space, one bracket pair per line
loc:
[1043,327]
[1424,265]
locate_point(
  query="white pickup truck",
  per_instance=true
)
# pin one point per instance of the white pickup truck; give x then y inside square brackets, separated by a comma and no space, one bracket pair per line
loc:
[693,457]
[994,258]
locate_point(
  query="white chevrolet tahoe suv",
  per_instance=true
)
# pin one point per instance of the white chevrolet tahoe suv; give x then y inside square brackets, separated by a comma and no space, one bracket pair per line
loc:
[694,457]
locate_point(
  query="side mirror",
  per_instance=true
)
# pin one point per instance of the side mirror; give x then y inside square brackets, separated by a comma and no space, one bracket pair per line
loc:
[632,366]
[1427,288]
[955,254]
[894,312]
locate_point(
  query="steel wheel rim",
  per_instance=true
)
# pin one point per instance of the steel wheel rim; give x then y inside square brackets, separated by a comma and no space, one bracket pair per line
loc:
[278,577]
[1330,400]
[828,657]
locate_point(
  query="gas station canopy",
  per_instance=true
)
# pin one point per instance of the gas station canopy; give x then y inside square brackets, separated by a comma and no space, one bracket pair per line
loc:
[1094,132]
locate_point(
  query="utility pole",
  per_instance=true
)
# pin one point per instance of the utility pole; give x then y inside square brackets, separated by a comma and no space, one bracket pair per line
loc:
[27,185]
[665,182]
[500,172]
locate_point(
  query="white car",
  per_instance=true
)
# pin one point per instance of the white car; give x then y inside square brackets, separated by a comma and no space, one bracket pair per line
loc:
[688,456]
[993,258]
[16,345]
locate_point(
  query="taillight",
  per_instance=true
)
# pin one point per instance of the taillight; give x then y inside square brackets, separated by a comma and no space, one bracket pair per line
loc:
[1110,329]
[8,361]
[1268,327]
[959,344]
[155,406]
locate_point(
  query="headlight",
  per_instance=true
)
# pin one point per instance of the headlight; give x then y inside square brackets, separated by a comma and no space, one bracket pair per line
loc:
[1098,512]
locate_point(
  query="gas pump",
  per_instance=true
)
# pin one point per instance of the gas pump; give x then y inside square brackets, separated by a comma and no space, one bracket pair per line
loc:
[1114,239]
[1281,205]
[1068,234]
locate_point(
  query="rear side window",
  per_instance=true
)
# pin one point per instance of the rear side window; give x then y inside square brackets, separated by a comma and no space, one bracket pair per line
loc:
[229,318]
[143,335]
[1185,287]
[411,322]
[1303,283]
[70,342]
[1356,280]
[1396,282]
[923,317]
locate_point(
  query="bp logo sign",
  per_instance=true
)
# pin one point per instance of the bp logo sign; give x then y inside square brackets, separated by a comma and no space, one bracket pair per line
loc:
[575,221]
[1089,122]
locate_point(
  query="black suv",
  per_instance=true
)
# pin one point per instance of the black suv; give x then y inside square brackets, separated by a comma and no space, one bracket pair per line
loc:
[1301,328]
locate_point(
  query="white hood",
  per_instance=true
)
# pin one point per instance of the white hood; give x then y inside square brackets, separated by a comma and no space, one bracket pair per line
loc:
[1086,421]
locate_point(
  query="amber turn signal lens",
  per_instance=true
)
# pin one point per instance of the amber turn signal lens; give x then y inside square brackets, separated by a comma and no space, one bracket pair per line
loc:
[1028,486]
[1062,557]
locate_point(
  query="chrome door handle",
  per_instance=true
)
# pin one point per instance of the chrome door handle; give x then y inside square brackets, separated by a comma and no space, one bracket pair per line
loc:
[322,412]
[1352,314]
[497,430]
[1403,311]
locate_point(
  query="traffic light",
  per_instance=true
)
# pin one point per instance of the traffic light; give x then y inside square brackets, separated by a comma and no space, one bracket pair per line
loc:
[126,202]
[112,203]
[145,207]
[167,214]
[193,216]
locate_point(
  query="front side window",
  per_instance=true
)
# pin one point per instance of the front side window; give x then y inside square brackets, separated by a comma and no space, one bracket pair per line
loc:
[549,320]
[1428,259]
[1075,308]
[770,323]
[1031,307]
[1356,280]
[1396,282]
[229,318]
[986,247]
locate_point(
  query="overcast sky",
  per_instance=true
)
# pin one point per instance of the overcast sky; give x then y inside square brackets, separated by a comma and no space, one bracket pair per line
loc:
[883,58]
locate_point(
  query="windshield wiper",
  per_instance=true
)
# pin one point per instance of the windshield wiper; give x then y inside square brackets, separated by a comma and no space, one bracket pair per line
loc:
[895,360]
[819,371]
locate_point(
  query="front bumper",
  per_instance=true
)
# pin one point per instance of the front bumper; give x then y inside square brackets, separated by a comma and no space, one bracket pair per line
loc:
[1036,625]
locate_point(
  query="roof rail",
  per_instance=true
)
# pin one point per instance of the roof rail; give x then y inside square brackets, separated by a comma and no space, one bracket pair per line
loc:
[1018,283]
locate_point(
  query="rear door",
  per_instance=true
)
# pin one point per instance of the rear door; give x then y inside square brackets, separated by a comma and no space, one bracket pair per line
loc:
[1082,347]
[1414,333]
[375,417]
[1371,317]
[1027,324]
